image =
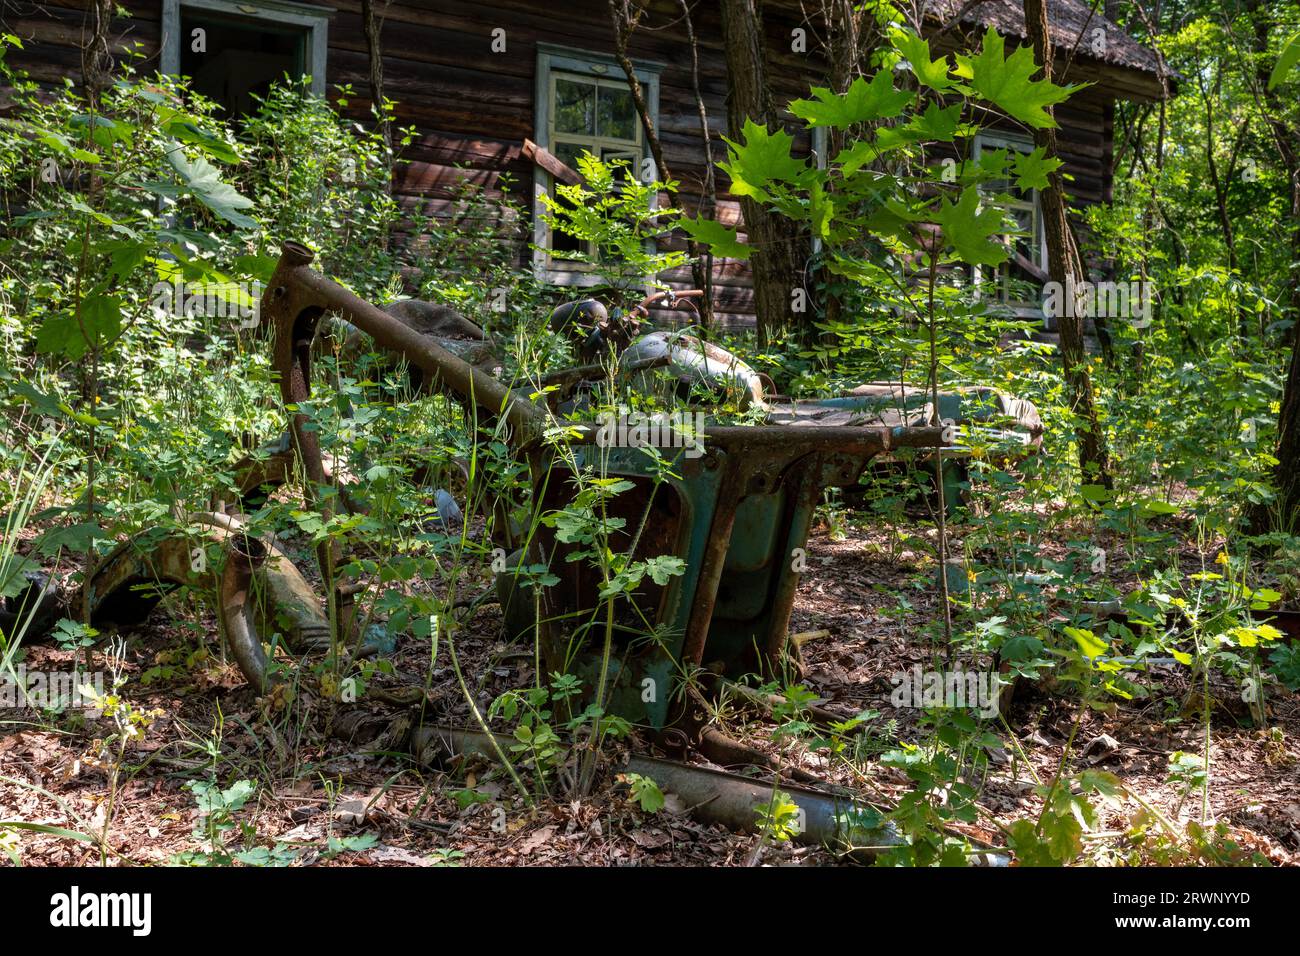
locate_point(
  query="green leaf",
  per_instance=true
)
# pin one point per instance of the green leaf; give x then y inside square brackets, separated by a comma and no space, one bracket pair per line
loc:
[255,267]
[967,229]
[13,580]
[124,256]
[1030,849]
[893,218]
[1095,493]
[933,73]
[862,102]
[646,793]
[762,158]
[203,180]
[187,130]
[664,567]
[937,124]
[46,829]
[42,402]
[1100,781]
[53,140]
[107,132]
[822,209]
[75,538]
[863,151]
[79,204]
[101,317]
[934,125]
[716,236]
[62,334]
[1032,169]
[1089,643]
[237,794]
[1005,81]
[1286,61]
[353,844]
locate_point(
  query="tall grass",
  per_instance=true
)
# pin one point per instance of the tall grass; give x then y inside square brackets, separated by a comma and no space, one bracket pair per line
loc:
[18,507]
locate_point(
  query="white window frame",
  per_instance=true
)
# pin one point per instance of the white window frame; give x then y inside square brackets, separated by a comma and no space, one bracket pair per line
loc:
[821,144]
[552,59]
[1019,143]
[313,19]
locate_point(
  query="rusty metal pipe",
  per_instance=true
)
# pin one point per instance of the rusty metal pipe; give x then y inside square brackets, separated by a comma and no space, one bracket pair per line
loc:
[713,796]
[297,297]
[728,799]
[714,561]
[733,801]
[806,486]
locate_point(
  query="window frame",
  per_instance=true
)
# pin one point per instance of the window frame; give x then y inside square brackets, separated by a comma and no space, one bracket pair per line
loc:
[313,19]
[555,60]
[1002,139]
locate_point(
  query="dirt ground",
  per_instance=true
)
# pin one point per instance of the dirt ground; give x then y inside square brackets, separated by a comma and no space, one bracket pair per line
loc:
[313,786]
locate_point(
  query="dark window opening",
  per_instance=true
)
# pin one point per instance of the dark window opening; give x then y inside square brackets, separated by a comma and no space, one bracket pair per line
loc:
[240,59]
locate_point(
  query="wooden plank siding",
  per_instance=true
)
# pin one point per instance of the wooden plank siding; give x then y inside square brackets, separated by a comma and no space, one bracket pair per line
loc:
[473,108]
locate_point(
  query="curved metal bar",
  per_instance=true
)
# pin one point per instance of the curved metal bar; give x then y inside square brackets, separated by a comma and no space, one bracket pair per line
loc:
[244,555]
[137,574]
[297,297]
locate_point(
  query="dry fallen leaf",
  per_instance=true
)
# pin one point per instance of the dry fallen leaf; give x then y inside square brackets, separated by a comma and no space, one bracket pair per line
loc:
[536,839]
[650,838]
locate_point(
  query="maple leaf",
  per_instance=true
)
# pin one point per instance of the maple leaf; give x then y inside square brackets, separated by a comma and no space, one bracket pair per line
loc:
[935,125]
[862,102]
[933,73]
[762,158]
[1032,169]
[895,219]
[717,237]
[1006,81]
[864,151]
[967,229]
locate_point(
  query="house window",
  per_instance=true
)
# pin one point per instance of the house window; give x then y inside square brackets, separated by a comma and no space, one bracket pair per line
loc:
[1022,205]
[583,105]
[233,51]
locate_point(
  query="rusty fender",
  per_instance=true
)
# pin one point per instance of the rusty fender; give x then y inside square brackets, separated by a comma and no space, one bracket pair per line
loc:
[132,578]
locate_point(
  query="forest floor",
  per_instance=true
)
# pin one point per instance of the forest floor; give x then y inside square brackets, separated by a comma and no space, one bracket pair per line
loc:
[312,787]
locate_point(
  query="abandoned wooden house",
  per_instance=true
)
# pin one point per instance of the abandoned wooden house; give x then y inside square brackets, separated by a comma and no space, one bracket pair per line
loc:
[481,80]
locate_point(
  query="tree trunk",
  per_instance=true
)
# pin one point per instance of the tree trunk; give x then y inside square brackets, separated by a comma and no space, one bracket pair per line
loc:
[96,58]
[777,262]
[1065,266]
[845,50]
[624,18]
[375,52]
[709,188]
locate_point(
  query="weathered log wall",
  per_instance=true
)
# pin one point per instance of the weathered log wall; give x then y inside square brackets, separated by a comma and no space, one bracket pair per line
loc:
[473,107]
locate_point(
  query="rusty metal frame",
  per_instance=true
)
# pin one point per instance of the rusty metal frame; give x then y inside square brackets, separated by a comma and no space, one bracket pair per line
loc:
[801,458]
